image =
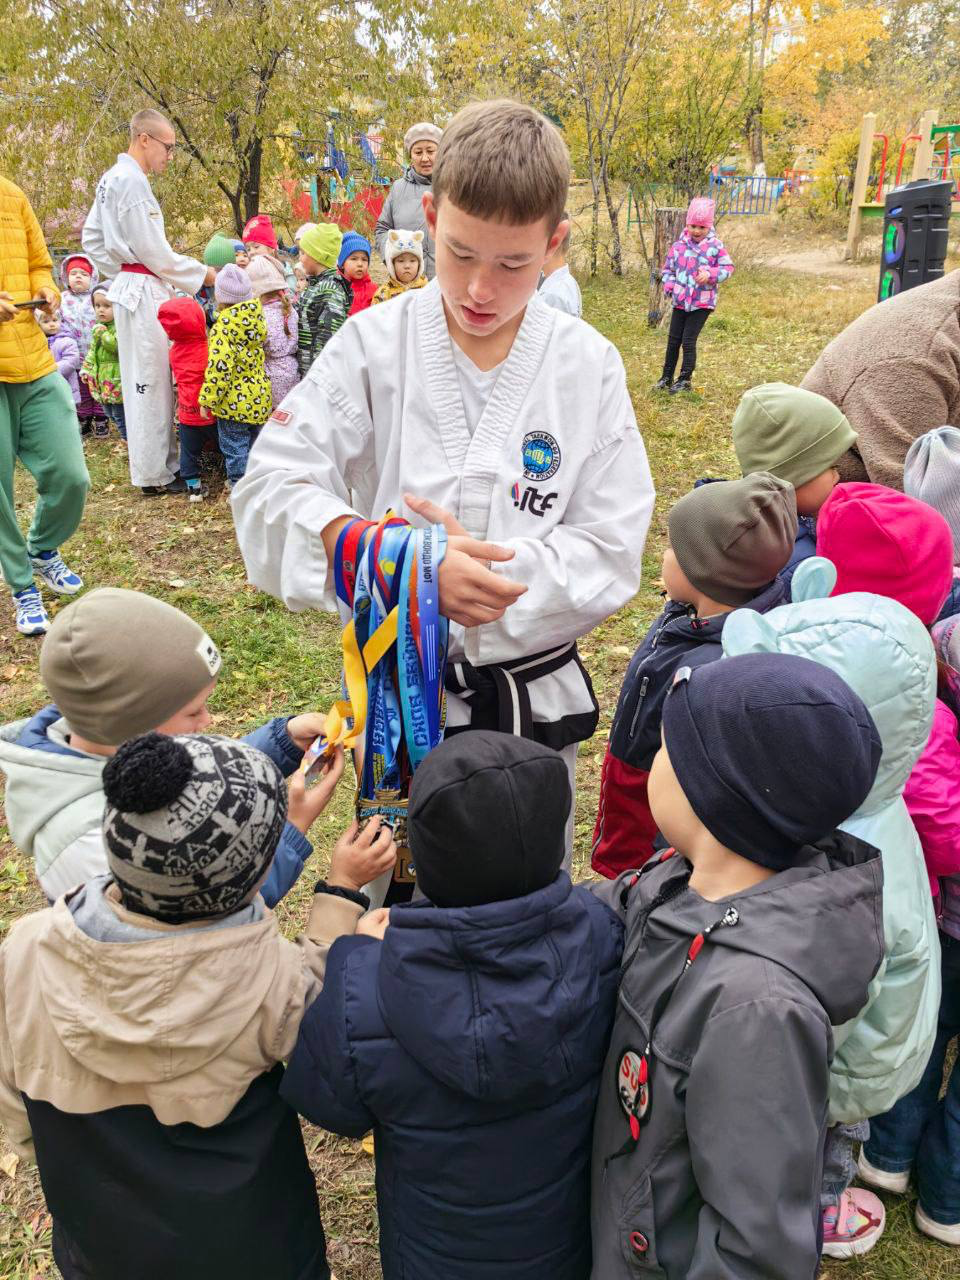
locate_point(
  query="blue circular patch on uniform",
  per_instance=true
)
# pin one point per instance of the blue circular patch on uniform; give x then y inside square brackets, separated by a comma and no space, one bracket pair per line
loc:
[541,456]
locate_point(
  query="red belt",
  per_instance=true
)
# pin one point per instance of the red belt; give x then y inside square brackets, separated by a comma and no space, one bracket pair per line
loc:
[139,269]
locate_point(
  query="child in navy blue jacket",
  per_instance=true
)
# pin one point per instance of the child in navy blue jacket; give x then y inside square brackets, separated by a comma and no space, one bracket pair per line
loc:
[728,543]
[471,1037]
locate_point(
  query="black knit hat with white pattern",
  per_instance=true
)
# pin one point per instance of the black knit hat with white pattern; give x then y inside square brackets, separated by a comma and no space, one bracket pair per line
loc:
[191,825]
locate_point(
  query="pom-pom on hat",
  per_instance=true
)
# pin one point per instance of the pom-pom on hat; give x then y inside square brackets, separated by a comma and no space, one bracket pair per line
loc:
[701,211]
[265,275]
[424,131]
[259,230]
[322,243]
[299,233]
[219,251]
[931,472]
[353,242]
[398,242]
[191,824]
[232,285]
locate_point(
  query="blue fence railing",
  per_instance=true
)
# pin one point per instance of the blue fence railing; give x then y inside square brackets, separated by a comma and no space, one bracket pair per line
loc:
[742,195]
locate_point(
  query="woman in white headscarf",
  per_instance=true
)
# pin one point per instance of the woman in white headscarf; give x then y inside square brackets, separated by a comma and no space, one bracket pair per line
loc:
[403,208]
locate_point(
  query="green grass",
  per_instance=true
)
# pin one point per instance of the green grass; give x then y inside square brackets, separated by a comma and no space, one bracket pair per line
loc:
[769,326]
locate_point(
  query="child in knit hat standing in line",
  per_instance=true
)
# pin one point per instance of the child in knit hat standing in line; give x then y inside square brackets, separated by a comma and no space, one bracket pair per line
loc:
[799,436]
[403,254]
[145,1015]
[696,265]
[236,389]
[931,472]
[280,348]
[326,301]
[746,943]
[728,543]
[354,265]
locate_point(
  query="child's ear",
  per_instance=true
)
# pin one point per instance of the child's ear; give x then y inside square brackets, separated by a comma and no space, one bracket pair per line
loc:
[813,579]
[418,237]
[746,631]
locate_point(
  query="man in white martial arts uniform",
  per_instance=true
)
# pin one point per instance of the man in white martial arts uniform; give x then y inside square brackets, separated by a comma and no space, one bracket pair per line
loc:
[473,403]
[124,237]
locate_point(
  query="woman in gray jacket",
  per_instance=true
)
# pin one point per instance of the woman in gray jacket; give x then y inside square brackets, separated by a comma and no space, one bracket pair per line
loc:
[403,208]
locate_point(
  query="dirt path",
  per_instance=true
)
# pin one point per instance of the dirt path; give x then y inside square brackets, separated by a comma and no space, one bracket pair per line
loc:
[824,262]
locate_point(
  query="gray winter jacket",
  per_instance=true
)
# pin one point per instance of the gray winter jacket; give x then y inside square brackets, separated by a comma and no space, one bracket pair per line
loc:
[403,211]
[720,1178]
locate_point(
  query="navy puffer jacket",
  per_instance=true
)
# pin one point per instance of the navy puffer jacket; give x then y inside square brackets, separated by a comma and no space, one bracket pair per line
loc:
[471,1040]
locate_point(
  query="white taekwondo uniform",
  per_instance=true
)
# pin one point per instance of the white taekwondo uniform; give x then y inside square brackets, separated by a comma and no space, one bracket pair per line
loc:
[124,229]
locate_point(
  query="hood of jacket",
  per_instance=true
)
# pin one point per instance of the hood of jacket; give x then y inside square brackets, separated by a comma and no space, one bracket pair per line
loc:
[490,1000]
[821,920]
[879,647]
[159,1008]
[182,320]
[416,179]
[45,779]
[62,276]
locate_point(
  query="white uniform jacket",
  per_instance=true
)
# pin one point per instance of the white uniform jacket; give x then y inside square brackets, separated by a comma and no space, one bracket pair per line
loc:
[556,469]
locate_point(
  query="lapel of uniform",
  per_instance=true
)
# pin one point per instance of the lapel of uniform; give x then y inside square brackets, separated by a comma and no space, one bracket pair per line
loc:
[478,460]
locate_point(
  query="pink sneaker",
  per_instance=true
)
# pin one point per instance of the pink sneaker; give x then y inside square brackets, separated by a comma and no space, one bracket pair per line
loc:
[854,1226]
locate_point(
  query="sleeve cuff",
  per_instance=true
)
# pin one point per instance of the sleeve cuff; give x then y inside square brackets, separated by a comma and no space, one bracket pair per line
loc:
[337,891]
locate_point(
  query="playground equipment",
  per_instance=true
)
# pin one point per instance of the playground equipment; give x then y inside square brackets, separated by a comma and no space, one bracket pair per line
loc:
[936,155]
[915,232]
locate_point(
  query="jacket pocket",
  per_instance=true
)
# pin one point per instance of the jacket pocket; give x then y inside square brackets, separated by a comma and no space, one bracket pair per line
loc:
[638,1242]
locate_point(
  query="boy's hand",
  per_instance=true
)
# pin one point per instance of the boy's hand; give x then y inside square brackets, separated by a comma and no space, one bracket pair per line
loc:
[375,923]
[204,411]
[304,730]
[470,593]
[211,276]
[305,804]
[361,856]
[7,310]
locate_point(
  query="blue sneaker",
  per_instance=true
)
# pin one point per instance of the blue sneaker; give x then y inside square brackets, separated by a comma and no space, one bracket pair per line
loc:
[50,569]
[32,617]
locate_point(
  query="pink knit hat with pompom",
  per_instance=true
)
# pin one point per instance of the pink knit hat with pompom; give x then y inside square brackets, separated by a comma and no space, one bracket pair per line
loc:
[700,212]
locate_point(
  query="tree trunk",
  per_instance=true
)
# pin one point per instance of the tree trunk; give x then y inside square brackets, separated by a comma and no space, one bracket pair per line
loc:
[251,190]
[613,212]
[667,226]
[754,121]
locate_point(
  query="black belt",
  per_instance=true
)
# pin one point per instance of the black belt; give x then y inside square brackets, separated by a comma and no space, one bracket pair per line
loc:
[499,698]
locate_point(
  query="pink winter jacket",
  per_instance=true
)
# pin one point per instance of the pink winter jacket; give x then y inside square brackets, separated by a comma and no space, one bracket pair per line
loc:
[932,795]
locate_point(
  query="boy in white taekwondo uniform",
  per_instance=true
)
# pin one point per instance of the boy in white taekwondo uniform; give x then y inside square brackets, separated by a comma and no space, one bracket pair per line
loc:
[124,237]
[472,403]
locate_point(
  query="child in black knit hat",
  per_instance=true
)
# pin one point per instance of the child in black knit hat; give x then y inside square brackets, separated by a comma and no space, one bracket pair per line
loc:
[144,1017]
[746,942]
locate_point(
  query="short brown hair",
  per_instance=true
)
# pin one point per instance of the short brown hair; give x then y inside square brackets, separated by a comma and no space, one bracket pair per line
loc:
[146,120]
[503,161]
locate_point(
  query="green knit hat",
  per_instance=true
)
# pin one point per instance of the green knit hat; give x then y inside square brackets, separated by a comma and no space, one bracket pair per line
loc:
[732,537]
[219,251]
[322,243]
[790,432]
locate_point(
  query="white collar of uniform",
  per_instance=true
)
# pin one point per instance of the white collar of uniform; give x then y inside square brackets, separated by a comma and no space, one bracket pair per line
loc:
[516,374]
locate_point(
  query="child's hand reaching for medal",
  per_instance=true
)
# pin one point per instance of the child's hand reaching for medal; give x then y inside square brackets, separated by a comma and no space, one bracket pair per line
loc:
[375,923]
[306,803]
[359,856]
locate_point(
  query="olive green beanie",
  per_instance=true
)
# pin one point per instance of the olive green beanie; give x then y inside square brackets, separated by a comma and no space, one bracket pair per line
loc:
[219,251]
[732,537]
[790,432]
[118,663]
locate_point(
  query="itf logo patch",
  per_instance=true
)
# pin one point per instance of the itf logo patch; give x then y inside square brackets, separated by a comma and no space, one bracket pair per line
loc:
[541,456]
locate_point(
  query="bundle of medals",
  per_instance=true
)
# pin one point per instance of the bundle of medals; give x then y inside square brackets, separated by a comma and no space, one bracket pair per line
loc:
[394,660]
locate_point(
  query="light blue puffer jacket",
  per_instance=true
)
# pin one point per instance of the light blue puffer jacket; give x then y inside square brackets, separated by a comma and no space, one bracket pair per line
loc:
[886,656]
